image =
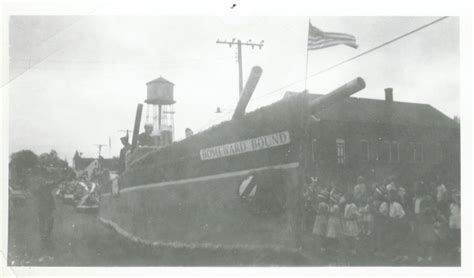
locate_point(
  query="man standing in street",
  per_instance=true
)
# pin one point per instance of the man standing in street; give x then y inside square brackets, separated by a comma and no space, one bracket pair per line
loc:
[123,152]
[45,210]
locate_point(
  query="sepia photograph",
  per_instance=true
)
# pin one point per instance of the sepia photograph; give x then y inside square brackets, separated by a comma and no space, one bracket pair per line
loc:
[236,141]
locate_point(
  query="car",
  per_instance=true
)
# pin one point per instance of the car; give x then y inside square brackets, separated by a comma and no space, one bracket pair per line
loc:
[89,199]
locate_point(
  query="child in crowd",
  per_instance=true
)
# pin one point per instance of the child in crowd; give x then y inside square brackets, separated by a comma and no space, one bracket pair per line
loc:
[420,194]
[321,220]
[396,225]
[309,196]
[382,221]
[365,229]
[455,222]
[351,227]
[380,218]
[426,231]
[334,228]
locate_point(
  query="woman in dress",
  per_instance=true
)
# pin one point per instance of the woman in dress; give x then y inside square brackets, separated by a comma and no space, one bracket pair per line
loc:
[321,220]
[334,229]
[351,227]
[455,222]
[380,208]
[396,226]
[426,233]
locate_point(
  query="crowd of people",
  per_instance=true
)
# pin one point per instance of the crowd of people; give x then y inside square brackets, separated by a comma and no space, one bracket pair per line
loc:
[383,220]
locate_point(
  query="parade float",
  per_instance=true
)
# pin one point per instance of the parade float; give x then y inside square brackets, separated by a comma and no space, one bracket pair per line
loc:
[236,185]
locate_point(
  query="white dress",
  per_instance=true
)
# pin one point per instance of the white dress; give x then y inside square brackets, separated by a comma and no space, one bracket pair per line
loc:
[455,217]
[321,221]
[351,228]
[334,222]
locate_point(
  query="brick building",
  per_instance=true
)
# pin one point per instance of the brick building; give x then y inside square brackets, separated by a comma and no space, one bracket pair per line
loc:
[378,138]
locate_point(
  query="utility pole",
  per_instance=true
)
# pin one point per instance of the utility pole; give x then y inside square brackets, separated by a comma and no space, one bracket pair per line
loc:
[239,54]
[125,130]
[98,158]
[100,147]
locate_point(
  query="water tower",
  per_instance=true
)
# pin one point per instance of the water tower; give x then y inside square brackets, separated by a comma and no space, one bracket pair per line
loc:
[160,101]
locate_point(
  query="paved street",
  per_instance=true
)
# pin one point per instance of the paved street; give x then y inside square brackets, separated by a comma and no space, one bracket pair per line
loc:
[82,240]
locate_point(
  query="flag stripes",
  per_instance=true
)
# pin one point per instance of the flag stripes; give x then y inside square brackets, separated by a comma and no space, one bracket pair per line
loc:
[318,39]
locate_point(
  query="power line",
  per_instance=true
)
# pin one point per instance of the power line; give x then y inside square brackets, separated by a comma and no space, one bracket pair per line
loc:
[347,60]
[353,58]
[239,54]
[379,46]
[209,123]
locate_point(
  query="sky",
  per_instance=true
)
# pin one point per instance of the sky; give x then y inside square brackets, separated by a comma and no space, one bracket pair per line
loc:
[75,81]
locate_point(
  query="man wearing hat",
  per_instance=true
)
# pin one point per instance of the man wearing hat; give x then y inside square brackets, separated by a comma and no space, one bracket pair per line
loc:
[123,152]
[46,206]
[145,139]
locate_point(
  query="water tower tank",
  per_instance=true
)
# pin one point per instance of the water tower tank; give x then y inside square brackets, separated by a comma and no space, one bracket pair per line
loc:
[160,92]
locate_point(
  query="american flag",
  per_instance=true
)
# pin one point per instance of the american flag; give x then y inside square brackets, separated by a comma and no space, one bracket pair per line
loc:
[318,39]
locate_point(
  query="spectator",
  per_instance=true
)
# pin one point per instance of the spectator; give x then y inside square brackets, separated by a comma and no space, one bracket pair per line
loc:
[45,210]
[380,218]
[360,189]
[391,184]
[321,222]
[455,222]
[426,232]
[396,225]
[442,199]
[126,147]
[351,228]
[334,227]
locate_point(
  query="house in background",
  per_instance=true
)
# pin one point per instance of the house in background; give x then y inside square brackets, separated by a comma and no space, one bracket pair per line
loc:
[379,138]
[84,164]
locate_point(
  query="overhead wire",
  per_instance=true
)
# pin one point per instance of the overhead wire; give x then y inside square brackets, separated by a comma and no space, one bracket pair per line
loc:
[349,59]
[353,57]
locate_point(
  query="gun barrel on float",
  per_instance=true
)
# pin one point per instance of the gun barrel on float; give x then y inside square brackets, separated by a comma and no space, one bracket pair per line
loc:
[315,105]
[337,95]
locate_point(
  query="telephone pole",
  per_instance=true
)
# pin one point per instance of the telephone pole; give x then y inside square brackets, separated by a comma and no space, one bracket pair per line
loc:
[125,130]
[239,44]
[100,147]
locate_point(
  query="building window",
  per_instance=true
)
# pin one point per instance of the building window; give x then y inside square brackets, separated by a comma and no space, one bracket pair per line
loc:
[314,149]
[394,152]
[365,150]
[415,152]
[341,152]
[385,154]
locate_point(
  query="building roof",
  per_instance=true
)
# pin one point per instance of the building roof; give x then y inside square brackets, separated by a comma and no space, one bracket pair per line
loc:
[81,163]
[159,80]
[386,112]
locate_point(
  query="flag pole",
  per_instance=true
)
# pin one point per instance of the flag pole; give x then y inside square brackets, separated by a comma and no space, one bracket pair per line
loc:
[307,42]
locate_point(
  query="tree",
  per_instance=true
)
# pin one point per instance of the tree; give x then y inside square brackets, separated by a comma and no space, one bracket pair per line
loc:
[25,167]
[52,159]
[20,163]
[23,159]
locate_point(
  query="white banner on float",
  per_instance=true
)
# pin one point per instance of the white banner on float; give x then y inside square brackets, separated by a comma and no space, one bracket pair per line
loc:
[250,145]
